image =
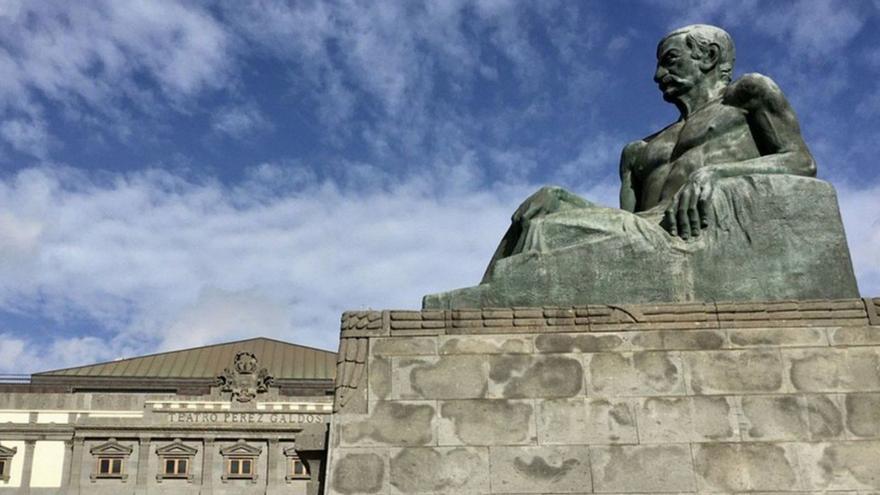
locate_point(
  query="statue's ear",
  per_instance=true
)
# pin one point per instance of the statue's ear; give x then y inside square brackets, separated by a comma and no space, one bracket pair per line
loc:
[711,55]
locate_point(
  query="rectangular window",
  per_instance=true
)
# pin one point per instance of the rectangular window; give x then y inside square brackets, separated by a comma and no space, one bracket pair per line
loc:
[240,468]
[4,474]
[109,467]
[175,467]
[298,469]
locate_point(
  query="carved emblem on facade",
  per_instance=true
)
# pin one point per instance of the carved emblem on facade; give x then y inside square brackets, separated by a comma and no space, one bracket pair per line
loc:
[244,380]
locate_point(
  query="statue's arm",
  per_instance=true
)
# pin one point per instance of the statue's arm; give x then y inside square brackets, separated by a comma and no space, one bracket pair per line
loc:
[774,128]
[628,197]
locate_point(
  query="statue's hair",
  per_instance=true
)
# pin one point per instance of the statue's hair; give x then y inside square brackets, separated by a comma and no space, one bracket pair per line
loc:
[698,38]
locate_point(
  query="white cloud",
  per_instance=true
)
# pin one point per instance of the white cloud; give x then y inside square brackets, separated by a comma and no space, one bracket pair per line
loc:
[162,262]
[240,121]
[860,209]
[94,54]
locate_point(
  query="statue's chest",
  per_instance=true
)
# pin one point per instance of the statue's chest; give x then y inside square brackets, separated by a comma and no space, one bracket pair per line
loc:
[710,126]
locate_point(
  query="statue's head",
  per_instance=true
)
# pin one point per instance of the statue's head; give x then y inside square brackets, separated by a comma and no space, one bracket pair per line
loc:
[693,55]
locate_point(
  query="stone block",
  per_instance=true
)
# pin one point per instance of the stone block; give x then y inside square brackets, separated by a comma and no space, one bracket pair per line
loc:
[837,466]
[442,377]
[855,369]
[404,346]
[740,467]
[775,417]
[452,470]
[825,417]
[580,342]
[558,469]
[379,378]
[535,376]
[854,336]
[358,471]
[635,374]
[734,372]
[686,419]
[863,415]
[642,469]
[778,337]
[390,423]
[674,340]
[587,421]
[486,344]
[487,422]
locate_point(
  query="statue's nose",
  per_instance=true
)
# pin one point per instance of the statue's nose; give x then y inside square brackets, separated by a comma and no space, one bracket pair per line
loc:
[659,73]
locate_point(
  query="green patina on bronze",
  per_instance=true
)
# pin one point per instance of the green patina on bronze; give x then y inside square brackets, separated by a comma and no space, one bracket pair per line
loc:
[720,205]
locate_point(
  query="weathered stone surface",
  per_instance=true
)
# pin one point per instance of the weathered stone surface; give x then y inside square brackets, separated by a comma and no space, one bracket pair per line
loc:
[642,469]
[443,377]
[587,421]
[579,342]
[487,422]
[842,466]
[635,374]
[416,346]
[440,470]
[379,378]
[486,344]
[854,336]
[523,376]
[739,467]
[686,419]
[863,415]
[540,469]
[834,369]
[778,337]
[777,417]
[722,372]
[358,472]
[391,423]
[825,416]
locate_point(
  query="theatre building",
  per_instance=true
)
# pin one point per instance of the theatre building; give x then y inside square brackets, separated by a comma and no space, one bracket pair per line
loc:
[244,417]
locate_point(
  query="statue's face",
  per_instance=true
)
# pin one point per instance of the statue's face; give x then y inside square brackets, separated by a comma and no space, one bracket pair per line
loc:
[677,71]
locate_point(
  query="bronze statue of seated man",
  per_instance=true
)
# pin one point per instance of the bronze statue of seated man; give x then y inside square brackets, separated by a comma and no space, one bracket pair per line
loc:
[716,190]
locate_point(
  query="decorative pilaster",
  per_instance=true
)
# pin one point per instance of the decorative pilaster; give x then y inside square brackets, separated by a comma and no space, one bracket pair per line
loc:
[28,465]
[143,466]
[207,467]
[76,459]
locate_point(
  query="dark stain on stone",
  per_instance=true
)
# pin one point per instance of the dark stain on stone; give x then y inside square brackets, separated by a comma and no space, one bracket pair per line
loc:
[817,372]
[824,417]
[358,473]
[662,373]
[539,469]
[708,340]
[578,343]
[394,423]
[863,414]
[451,377]
[503,367]
[380,377]
[859,459]
[621,414]
[554,376]
[425,470]
[745,467]
[769,413]
[484,422]
[753,370]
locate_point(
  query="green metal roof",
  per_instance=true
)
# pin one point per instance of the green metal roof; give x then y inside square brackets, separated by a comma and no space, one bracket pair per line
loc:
[283,360]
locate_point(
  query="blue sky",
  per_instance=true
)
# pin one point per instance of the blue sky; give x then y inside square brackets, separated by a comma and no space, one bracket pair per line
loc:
[181,173]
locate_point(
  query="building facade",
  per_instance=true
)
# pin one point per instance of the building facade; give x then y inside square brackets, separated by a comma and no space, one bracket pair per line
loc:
[244,417]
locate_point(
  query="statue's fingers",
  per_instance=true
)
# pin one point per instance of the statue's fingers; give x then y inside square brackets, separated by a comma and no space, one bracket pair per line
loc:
[684,222]
[705,205]
[669,221]
[694,214]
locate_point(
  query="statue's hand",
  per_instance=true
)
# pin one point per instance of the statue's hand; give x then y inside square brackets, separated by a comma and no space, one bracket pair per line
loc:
[691,207]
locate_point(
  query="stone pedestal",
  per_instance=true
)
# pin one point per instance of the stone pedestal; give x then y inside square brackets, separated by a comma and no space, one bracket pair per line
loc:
[686,398]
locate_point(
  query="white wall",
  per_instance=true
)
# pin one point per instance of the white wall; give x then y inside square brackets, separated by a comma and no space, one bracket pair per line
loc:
[48,465]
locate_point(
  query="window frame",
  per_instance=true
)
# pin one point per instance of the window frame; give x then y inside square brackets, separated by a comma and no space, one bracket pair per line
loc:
[241,451]
[294,459]
[6,455]
[111,460]
[177,452]
[176,473]
[252,460]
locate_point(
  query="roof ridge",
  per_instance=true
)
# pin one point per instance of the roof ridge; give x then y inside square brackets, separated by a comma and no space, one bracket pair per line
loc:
[175,351]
